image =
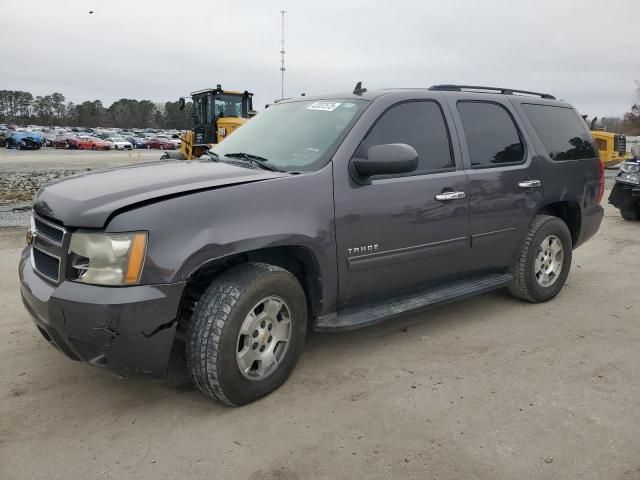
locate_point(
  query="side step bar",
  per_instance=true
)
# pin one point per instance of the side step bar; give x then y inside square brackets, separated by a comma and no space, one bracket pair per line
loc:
[362,316]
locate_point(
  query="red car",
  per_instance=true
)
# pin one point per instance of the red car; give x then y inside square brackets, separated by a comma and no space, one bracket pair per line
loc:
[161,143]
[93,143]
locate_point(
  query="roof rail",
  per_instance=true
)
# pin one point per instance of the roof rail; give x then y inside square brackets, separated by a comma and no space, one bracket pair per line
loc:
[503,91]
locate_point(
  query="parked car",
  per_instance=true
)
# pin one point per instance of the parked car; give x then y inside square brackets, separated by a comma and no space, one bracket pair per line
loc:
[119,143]
[161,143]
[66,141]
[625,194]
[330,213]
[175,138]
[92,143]
[137,142]
[49,138]
[24,141]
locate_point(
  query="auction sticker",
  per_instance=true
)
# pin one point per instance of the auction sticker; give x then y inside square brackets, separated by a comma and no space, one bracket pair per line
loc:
[324,106]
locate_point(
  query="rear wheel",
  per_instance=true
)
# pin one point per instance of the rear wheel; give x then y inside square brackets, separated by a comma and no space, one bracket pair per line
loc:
[631,213]
[246,333]
[544,261]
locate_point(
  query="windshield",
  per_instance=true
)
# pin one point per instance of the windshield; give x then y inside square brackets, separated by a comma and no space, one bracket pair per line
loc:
[296,135]
[228,105]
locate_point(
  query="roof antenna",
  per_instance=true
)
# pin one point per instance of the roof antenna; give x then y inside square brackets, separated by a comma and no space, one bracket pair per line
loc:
[359,90]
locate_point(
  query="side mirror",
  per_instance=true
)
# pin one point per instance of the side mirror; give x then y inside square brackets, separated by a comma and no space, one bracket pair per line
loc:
[181,103]
[387,159]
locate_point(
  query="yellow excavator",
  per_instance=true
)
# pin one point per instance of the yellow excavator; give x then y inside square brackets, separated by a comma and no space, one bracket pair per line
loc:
[217,113]
[612,147]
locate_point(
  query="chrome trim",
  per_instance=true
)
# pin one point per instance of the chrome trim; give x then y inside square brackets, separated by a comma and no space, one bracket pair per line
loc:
[52,225]
[414,252]
[33,264]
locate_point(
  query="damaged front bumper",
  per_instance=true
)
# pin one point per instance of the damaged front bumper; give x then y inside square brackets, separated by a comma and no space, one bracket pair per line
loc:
[625,196]
[130,330]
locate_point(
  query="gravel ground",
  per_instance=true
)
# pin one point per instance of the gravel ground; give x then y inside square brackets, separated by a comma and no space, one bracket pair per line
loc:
[488,388]
[23,173]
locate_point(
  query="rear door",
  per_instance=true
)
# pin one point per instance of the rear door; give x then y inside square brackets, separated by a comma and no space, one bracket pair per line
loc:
[394,235]
[505,186]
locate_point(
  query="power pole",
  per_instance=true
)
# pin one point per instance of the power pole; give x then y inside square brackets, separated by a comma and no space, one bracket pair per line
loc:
[282,58]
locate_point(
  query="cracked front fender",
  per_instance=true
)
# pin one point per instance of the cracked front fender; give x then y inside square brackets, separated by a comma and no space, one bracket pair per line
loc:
[127,329]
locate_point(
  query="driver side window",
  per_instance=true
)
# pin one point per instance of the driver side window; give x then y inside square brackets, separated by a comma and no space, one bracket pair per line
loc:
[420,124]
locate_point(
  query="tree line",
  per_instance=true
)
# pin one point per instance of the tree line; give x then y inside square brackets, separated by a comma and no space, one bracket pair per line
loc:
[22,108]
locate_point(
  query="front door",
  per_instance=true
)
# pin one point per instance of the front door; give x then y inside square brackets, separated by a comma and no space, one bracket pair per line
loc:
[406,232]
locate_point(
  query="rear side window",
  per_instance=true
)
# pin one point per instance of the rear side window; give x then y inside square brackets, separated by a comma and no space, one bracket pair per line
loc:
[561,131]
[492,137]
[420,124]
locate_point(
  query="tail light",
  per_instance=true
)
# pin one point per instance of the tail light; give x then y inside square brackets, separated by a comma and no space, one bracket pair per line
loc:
[600,182]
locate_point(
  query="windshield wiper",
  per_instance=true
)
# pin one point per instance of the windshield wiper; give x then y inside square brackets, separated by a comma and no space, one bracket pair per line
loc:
[254,159]
[212,155]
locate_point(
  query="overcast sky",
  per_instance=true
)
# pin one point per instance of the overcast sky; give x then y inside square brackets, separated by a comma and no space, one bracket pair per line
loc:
[584,51]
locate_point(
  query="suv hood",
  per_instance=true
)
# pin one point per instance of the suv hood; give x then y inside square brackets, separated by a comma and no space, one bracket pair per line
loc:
[88,200]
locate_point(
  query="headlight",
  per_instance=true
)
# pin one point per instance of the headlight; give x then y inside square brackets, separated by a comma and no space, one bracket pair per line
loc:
[629,167]
[108,258]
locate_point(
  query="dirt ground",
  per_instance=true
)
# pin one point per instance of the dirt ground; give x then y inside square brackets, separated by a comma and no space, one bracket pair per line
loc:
[488,388]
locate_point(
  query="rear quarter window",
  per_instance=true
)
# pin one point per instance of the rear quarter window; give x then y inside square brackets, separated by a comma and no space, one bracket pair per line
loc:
[561,131]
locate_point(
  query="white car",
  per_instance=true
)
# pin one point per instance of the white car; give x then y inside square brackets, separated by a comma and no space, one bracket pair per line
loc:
[119,143]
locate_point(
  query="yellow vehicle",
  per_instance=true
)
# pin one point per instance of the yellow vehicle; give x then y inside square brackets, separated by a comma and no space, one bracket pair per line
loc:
[217,113]
[612,147]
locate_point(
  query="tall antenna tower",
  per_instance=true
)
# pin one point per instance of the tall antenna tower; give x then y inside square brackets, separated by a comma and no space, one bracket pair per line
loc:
[282,58]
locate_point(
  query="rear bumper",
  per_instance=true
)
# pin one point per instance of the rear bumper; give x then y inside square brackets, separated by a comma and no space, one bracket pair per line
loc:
[130,330]
[591,220]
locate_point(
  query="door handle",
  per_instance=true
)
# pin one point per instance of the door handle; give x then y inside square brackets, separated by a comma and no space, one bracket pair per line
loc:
[446,196]
[530,184]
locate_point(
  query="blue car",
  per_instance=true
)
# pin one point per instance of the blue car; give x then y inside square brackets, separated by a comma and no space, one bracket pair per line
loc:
[137,142]
[25,141]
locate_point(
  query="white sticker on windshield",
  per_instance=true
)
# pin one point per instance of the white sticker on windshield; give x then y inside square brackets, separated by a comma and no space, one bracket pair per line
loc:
[324,106]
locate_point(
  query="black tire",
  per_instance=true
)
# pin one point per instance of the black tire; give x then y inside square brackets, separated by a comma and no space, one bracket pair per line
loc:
[525,285]
[630,214]
[213,332]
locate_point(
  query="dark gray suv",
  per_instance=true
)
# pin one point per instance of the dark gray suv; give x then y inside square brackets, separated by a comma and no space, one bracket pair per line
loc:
[327,213]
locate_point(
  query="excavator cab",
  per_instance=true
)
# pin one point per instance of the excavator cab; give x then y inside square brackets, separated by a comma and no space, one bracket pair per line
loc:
[216,114]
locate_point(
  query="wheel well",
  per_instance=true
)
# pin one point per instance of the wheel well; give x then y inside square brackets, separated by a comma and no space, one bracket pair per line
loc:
[569,213]
[300,261]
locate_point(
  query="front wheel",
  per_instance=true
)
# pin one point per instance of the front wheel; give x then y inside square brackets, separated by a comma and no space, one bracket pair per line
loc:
[544,262]
[246,333]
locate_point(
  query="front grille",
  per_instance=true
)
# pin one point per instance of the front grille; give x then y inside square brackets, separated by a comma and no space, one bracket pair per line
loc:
[48,231]
[45,264]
